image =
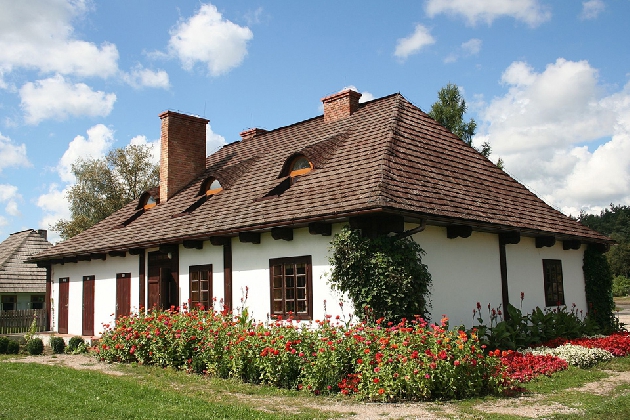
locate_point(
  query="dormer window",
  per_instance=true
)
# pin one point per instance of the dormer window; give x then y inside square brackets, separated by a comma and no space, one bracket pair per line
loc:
[149,202]
[300,166]
[294,167]
[212,186]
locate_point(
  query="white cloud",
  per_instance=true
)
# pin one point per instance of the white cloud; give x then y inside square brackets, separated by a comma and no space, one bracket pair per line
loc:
[12,209]
[472,46]
[54,206]
[210,39]
[9,195]
[468,48]
[153,145]
[99,140]
[413,43]
[529,11]
[56,98]
[12,154]
[591,9]
[214,141]
[542,126]
[365,95]
[38,34]
[140,77]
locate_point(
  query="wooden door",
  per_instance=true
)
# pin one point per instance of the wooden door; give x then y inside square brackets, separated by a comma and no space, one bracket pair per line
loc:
[154,288]
[163,279]
[88,306]
[64,293]
[123,294]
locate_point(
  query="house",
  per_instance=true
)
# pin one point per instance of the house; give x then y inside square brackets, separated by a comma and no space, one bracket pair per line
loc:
[22,284]
[258,216]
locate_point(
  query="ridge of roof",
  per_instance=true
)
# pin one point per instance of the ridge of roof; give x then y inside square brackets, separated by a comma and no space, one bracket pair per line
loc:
[389,155]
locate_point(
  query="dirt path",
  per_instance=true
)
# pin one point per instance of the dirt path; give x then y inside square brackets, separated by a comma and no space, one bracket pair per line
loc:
[530,406]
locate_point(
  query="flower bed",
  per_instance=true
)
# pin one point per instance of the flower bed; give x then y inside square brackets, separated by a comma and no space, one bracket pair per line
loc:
[576,355]
[523,367]
[407,361]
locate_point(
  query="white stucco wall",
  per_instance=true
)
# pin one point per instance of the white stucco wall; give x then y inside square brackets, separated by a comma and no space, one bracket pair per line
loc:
[250,263]
[104,273]
[208,255]
[525,274]
[464,271]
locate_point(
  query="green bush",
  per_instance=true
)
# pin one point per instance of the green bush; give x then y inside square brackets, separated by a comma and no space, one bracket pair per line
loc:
[621,286]
[518,330]
[4,342]
[411,360]
[13,347]
[35,346]
[57,344]
[76,345]
[598,281]
[383,276]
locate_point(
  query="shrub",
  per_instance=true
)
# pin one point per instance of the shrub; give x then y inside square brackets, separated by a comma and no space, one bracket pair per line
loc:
[383,275]
[518,330]
[410,360]
[13,347]
[4,342]
[76,345]
[598,288]
[35,346]
[57,344]
[621,286]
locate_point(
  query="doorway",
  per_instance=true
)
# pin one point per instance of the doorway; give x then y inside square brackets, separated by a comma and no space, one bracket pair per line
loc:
[163,279]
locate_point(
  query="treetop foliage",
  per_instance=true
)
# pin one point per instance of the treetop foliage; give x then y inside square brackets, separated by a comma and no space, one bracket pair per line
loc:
[105,185]
[449,111]
[613,222]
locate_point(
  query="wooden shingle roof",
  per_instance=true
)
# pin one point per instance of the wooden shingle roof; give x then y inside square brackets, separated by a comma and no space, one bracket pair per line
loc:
[16,275]
[387,156]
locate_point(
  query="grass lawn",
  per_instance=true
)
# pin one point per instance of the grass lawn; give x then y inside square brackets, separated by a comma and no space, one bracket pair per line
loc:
[35,391]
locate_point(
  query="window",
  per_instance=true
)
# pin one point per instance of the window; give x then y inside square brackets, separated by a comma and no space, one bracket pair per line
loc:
[554,289]
[150,203]
[37,301]
[200,277]
[9,302]
[291,287]
[300,166]
[212,186]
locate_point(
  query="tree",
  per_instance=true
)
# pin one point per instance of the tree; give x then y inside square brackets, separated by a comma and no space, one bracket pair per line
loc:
[614,222]
[449,111]
[105,185]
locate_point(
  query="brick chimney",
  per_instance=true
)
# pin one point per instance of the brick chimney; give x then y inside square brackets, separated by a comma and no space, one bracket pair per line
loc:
[182,151]
[43,233]
[340,105]
[251,133]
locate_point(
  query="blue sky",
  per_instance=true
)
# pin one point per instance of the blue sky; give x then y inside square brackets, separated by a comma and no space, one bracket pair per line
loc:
[547,82]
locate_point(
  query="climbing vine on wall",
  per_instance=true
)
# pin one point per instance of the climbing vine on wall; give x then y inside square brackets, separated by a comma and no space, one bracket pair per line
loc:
[598,286]
[383,276]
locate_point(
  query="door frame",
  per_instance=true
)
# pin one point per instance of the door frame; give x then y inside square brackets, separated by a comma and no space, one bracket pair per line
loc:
[87,324]
[123,294]
[64,300]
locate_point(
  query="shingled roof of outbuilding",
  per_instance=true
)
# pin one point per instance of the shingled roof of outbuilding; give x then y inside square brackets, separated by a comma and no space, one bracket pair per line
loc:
[16,275]
[387,156]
